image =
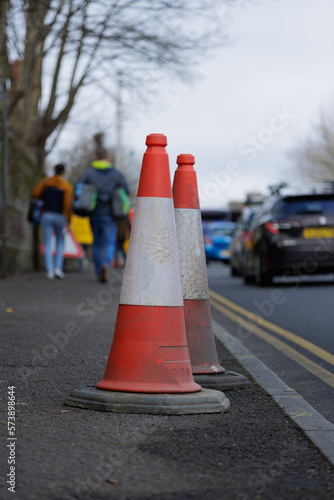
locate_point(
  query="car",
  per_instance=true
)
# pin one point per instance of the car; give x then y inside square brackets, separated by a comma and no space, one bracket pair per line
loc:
[211,215]
[293,234]
[240,235]
[218,236]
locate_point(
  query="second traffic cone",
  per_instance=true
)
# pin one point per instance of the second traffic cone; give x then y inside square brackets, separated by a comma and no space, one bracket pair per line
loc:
[201,343]
[149,356]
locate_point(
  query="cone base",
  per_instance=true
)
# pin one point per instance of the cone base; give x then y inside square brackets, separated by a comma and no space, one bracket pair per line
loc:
[222,381]
[205,401]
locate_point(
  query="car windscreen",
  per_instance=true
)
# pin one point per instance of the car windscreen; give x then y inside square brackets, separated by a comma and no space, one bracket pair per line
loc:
[220,231]
[306,205]
[251,218]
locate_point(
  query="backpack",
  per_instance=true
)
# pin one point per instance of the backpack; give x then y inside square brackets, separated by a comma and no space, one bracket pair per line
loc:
[120,204]
[35,211]
[85,198]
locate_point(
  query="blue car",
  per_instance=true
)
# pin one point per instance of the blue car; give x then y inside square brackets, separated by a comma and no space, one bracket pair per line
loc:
[218,236]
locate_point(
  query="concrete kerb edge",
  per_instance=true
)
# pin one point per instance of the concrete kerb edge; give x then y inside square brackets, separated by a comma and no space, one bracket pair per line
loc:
[316,427]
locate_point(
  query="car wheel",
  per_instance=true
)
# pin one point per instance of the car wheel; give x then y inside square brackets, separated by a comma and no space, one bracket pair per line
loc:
[248,279]
[234,271]
[262,278]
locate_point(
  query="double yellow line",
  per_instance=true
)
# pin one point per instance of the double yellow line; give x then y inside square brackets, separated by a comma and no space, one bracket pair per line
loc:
[227,307]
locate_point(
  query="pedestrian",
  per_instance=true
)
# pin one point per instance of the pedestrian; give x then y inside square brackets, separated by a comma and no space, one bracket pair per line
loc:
[122,234]
[106,179]
[57,196]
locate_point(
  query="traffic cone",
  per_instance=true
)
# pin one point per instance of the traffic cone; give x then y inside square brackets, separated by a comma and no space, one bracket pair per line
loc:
[149,369]
[202,348]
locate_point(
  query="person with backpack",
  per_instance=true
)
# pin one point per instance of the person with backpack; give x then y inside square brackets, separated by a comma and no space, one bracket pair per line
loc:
[57,196]
[106,180]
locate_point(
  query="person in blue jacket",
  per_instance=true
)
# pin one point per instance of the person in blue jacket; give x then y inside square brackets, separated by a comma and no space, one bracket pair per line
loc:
[106,179]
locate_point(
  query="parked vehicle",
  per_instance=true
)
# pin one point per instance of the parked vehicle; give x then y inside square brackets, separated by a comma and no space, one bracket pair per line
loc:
[240,235]
[216,215]
[218,236]
[292,234]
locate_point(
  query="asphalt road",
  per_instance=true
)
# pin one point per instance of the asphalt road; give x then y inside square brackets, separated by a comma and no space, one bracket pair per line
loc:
[289,326]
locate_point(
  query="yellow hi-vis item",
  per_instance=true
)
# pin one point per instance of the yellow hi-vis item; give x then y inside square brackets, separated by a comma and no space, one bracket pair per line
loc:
[81,229]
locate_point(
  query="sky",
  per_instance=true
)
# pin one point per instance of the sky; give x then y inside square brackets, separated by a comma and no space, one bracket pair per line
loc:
[255,99]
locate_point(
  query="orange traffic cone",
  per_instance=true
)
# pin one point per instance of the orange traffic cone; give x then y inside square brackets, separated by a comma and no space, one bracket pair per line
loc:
[202,348]
[149,367]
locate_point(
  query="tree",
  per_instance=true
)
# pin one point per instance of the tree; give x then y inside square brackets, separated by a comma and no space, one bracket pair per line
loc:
[51,49]
[314,156]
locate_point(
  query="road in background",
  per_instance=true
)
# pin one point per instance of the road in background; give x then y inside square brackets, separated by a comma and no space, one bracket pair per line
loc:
[289,326]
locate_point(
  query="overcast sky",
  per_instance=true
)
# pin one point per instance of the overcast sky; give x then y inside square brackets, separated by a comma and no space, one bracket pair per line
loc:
[255,99]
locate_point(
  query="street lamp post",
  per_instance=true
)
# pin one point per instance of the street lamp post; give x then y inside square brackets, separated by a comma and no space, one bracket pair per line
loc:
[118,152]
[5,85]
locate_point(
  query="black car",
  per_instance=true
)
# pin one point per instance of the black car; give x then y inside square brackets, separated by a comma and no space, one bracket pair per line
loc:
[240,236]
[293,234]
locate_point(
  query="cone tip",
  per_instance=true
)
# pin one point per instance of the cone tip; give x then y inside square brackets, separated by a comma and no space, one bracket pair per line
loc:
[185,159]
[156,140]
[185,190]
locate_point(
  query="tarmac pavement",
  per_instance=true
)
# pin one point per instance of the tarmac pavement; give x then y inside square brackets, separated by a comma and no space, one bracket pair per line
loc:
[56,337]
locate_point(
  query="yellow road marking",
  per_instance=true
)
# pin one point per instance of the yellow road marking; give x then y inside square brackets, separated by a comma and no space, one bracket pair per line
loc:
[296,356]
[305,344]
[304,414]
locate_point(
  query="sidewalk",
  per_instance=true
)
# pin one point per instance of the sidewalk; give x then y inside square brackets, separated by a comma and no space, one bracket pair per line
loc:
[55,337]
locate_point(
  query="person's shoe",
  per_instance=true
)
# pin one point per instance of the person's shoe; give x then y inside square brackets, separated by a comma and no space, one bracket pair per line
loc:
[120,262]
[59,274]
[103,278]
[50,275]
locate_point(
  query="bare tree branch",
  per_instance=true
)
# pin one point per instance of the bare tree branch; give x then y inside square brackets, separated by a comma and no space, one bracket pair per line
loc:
[314,156]
[63,45]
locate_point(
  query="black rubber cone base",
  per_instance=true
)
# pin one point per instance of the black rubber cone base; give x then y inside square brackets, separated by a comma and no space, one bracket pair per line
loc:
[204,401]
[222,381]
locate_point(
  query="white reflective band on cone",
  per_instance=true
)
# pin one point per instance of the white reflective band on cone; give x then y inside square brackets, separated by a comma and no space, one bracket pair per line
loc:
[191,253]
[152,270]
